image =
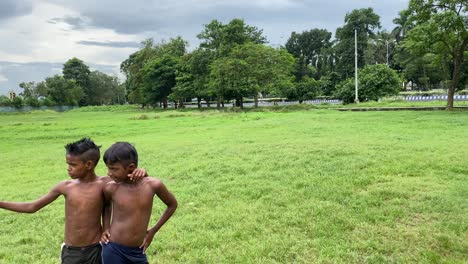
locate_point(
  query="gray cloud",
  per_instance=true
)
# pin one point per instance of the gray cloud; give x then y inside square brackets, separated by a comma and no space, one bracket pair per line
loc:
[165,19]
[76,23]
[114,44]
[13,8]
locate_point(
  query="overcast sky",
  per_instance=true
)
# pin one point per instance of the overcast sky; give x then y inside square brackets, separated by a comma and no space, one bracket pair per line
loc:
[38,36]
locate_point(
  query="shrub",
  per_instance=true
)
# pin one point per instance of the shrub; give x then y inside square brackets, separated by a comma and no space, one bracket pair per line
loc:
[17,102]
[34,102]
[345,91]
[375,81]
[4,101]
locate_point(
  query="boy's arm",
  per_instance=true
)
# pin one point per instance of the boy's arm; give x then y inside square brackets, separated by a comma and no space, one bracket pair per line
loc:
[169,199]
[138,174]
[106,213]
[32,207]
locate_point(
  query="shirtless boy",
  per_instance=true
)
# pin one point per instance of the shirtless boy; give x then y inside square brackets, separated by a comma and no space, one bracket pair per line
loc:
[83,203]
[132,202]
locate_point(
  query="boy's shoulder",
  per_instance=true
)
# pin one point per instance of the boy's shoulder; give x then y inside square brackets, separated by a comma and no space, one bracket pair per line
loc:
[152,181]
[104,179]
[111,185]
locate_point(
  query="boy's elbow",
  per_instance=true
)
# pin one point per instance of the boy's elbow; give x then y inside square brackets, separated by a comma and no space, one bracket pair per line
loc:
[31,209]
[174,205]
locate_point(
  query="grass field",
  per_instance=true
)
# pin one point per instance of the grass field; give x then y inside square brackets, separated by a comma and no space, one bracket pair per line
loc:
[303,186]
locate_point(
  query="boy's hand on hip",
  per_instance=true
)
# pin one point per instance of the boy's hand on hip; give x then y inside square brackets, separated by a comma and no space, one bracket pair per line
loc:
[138,174]
[147,241]
[105,237]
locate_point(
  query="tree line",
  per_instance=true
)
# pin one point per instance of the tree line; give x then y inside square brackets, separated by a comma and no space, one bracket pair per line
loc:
[77,85]
[427,49]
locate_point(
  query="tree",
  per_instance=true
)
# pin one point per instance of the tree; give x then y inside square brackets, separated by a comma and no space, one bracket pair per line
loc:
[365,21]
[310,48]
[306,89]
[219,40]
[4,101]
[75,69]
[17,102]
[380,49]
[328,83]
[228,79]
[159,78]
[424,71]
[137,84]
[222,38]
[63,91]
[403,25]
[192,77]
[375,81]
[29,89]
[251,69]
[440,28]
[132,69]
[30,94]
[104,88]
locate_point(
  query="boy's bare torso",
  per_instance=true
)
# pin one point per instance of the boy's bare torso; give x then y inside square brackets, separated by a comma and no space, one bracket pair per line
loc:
[83,209]
[131,210]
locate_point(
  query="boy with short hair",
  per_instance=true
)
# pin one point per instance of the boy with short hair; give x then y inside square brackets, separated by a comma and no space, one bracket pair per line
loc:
[132,202]
[83,203]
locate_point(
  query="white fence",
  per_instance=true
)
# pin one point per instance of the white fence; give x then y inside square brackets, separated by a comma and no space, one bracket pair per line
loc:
[263,103]
[31,108]
[428,98]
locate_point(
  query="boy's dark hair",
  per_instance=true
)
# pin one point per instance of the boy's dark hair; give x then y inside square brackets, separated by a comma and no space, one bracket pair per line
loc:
[122,152]
[85,149]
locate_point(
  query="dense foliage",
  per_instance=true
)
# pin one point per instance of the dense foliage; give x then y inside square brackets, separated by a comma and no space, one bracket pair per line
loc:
[427,49]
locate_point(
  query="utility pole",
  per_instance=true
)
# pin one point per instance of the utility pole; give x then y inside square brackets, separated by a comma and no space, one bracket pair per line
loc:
[386,42]
[356,99]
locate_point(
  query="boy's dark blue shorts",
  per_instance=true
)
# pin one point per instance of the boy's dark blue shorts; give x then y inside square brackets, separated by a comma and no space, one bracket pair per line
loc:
[113,253]
[77,255]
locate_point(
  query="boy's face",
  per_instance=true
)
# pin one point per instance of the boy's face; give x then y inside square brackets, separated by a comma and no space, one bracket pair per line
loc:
[76,167]
[118,171]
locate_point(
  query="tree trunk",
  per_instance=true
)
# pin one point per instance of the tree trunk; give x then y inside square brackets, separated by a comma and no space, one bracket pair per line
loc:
[222,103]
[256,101]
[181,103]
[165,103]
[218,103]
[457,62]
[242,103]
[199,102]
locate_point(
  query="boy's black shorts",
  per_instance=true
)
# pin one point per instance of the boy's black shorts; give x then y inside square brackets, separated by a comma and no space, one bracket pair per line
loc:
[81,255]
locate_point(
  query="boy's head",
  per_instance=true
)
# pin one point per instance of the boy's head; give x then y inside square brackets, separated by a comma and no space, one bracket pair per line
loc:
[82,156]
[121,159]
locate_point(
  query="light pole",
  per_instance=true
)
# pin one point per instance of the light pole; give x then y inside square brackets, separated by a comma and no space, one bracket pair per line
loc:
[386,44]
[356,98]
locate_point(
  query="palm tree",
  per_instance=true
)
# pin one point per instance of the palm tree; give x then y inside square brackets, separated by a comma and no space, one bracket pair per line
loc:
[403,25]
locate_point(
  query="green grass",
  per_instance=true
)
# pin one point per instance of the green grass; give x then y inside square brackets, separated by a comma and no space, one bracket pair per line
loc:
[269,186]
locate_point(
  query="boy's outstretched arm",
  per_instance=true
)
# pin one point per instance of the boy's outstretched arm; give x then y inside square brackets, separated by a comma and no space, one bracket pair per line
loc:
[169,199]
[32,207]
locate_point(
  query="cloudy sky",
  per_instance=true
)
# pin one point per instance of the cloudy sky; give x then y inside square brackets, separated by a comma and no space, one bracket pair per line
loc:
[38,36]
